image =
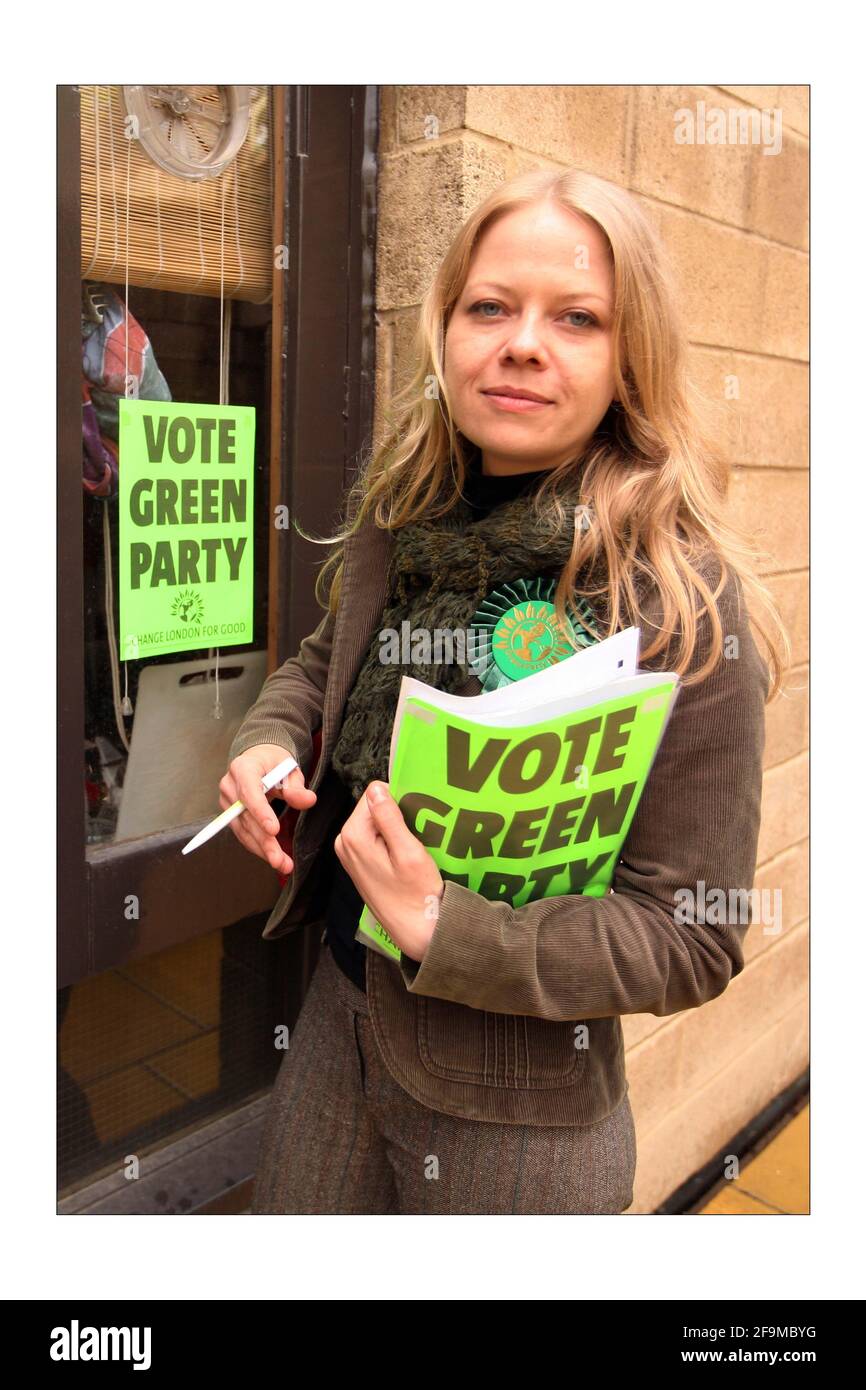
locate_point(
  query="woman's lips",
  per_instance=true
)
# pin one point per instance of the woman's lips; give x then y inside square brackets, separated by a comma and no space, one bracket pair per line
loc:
[518,404]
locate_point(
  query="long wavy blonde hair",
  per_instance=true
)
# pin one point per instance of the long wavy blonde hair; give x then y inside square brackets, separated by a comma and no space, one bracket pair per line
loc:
[654,486]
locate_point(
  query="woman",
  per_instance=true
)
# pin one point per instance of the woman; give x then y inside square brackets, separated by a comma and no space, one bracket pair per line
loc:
[549,434]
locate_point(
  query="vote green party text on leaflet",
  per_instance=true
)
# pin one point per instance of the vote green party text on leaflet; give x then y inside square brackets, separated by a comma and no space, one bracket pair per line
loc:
[186,526]
[533,795]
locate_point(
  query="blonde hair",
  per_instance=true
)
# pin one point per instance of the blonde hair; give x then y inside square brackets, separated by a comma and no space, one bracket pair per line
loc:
[655,486]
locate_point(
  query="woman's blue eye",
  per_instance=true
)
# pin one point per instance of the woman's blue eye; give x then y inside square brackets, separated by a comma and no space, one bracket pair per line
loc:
[483,304]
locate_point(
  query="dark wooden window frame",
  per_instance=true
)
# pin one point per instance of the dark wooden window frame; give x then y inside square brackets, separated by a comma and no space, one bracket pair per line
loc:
[322,373]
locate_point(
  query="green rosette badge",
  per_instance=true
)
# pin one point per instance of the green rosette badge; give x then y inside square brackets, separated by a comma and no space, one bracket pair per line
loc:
[517,632]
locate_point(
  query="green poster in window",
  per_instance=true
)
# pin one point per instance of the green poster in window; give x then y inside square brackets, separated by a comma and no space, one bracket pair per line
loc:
[186,526]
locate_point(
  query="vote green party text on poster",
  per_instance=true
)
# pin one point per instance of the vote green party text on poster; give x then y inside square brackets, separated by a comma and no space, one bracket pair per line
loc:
[517,814]
[186,526]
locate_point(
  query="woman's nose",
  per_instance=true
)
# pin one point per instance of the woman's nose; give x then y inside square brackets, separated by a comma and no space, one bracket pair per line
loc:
[525,341]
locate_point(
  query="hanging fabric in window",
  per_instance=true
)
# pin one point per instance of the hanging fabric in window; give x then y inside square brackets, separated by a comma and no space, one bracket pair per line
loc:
[177,225]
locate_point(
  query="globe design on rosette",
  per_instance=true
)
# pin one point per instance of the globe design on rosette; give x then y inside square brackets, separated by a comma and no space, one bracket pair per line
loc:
[516,632]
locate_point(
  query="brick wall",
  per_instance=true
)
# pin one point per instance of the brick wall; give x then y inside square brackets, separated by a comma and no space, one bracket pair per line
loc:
[736,223]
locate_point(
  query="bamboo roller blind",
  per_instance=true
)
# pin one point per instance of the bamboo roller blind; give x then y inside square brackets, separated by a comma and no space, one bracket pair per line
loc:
[174,223]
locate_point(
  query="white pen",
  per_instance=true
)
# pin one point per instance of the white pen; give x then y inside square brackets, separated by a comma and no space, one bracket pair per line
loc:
[237,807]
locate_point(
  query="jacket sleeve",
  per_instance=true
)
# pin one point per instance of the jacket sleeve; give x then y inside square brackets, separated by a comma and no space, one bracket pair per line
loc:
[577,957]
[289,708]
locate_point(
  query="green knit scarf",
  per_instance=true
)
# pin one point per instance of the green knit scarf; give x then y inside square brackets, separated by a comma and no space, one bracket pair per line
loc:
[441,569]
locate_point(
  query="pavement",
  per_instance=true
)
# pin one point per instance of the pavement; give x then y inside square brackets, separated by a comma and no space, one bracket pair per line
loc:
[773,1183]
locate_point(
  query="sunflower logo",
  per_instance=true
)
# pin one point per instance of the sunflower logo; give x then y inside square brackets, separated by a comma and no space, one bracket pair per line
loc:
[517,632]
[188,607]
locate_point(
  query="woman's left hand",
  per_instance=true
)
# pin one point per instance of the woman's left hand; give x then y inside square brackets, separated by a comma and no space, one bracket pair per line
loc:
[391,870]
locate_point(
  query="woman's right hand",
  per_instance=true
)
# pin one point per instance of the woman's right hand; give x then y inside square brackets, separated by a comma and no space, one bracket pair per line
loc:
[257,826]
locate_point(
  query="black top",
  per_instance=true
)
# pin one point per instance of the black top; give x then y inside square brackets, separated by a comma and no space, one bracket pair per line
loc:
[483,492]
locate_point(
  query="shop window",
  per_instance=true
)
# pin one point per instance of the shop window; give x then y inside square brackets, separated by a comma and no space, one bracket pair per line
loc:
[182,308]
[169,996]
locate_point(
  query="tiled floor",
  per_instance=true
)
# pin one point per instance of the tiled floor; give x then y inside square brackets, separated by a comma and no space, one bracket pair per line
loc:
[775,1182]
[141,1041]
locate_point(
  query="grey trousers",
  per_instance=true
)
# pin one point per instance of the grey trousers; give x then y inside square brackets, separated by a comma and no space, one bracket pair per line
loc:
[341,1136]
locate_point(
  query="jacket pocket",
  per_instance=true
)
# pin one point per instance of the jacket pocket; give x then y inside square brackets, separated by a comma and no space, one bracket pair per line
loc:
[514,1051]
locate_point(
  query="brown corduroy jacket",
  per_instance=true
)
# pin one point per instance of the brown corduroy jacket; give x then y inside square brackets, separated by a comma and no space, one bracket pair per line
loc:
[487,1026]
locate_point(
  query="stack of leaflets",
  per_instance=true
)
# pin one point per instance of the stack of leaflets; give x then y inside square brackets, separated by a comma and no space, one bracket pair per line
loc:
[528,791]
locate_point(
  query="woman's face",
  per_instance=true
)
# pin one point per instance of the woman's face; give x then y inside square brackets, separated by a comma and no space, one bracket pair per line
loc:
[535,315]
